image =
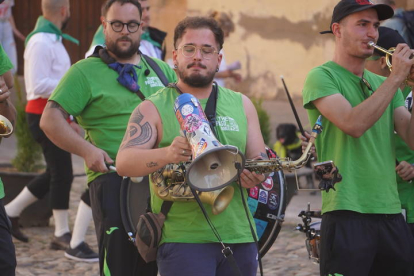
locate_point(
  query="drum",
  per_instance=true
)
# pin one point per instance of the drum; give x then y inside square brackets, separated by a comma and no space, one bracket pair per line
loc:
[313,244]
[267,203]
[134,202]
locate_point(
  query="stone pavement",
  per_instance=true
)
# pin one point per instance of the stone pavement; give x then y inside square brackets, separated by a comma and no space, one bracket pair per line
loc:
[287,257]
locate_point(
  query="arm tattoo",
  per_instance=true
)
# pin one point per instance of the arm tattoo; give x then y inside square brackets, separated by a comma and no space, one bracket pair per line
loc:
[53,104]
[136,133]
[152,164]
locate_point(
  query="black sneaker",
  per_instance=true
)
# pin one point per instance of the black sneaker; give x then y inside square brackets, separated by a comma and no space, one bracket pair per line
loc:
[82,253]
[61,243]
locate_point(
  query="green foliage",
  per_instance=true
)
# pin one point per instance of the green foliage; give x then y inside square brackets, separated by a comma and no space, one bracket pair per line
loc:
[28,151]
[264,120]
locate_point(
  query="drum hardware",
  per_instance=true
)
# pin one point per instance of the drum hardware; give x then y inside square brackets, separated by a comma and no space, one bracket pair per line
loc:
[329,175]
[312,232]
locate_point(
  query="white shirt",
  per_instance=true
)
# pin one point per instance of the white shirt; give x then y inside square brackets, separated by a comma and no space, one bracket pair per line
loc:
[45,62]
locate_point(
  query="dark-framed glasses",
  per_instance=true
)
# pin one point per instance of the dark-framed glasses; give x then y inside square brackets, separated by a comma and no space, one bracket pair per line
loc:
[366,85]
[118,26]
[189,51]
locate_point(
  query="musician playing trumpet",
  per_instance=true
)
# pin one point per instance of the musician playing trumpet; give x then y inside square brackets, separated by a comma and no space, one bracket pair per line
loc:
[363,231]
[152,140]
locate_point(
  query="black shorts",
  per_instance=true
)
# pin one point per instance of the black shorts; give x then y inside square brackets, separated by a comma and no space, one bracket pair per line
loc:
[355,244]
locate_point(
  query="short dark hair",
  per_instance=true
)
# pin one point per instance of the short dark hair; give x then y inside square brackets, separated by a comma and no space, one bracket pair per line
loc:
[198,22]
[109,3]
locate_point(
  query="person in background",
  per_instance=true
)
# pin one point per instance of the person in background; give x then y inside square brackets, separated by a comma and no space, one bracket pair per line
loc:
[7,30]
[101,92]
[226,71]
[152,39]
[7,252]
[397,22]
[362,230]
[404,155]
[46,61]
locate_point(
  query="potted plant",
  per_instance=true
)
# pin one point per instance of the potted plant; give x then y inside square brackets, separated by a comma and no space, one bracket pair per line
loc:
[25,166]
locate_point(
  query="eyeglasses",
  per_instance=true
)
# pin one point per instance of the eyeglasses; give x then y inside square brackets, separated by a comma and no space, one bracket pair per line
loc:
[118,26]
[189,51]
[365,83]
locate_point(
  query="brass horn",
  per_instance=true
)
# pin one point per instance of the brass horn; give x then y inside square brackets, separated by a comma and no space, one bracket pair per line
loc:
[388,54]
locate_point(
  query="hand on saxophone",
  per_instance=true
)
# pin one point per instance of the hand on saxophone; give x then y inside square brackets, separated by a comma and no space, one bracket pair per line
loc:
[179,150]
[251,179]
[305,142]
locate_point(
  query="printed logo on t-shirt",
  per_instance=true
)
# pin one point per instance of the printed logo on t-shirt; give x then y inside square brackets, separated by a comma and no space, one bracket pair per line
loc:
[227,123]
[154,82]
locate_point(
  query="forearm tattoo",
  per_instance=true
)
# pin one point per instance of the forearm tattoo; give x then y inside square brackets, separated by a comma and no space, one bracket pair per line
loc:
[53,104]
[136,133]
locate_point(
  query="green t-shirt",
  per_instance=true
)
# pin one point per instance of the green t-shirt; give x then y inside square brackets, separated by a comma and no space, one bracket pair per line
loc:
[367,163]
[102,106]
[5,65]
[405,189]
[185,222]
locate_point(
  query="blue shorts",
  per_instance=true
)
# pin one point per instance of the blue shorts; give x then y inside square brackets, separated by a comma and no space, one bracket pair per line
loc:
[205,259]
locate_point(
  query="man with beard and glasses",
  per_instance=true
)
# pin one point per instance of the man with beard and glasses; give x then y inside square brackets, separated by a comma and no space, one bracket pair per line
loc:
[188,245]
[45,62]
[101,92]
[152,39]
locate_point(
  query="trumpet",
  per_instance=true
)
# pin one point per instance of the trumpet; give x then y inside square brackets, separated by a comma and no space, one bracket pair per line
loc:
[388,55]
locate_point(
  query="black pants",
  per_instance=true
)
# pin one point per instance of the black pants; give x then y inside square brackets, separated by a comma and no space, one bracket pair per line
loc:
[116,253]
[58,176]
[355,244]
[7,251]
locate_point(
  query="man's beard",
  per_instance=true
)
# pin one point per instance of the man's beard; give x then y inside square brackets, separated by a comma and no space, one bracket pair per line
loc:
[65,23]
[197,80]
[122,54]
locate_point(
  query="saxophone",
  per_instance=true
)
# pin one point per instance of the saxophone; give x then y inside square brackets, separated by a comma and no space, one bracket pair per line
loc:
[169,182]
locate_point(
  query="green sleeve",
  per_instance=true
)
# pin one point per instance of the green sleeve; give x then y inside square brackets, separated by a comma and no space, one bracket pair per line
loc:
[319,83]
[398,99]
[5,63]
[73,91]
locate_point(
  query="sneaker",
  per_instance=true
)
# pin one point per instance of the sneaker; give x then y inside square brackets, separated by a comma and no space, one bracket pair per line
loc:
[82,253]
[61,243]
